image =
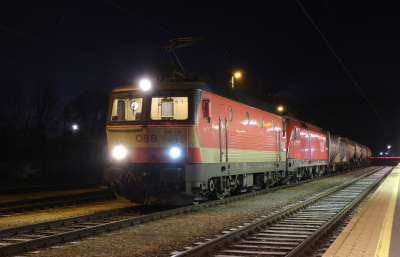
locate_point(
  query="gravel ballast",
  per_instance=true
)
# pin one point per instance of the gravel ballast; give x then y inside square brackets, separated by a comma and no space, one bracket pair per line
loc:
[160,238]
[34,195]
[20,219]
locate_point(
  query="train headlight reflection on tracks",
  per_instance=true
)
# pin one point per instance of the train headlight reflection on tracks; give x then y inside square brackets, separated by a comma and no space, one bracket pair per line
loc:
[119,152]
[145,84]
[175,152]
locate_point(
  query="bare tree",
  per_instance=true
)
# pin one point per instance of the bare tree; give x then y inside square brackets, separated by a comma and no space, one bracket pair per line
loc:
[45,108]
[13,108]
[89,110]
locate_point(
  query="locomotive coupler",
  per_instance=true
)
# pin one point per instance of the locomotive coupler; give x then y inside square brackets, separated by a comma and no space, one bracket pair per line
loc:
[112,174]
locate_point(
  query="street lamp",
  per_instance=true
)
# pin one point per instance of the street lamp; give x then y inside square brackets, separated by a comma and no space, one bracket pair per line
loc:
[388,146]
[280,108]
[237,75]
[74,127]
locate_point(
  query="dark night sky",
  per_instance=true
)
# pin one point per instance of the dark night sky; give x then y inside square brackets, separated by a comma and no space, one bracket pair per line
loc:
[273,41]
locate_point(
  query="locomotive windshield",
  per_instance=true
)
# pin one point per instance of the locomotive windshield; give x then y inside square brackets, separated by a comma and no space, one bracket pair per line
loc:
[127,109]
[169,108]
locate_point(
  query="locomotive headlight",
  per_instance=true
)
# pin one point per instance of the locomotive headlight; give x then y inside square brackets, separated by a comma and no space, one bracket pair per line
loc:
[119,152]
[145,84]
[175,152]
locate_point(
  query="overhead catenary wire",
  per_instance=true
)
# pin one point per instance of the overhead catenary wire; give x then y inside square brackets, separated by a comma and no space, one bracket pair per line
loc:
[143,19]
[242,71]
[46,43]
[229,41]
[348,52]
[222,60]
[337,57]
[15,32]
[58,50]
[317,110]
[173,34]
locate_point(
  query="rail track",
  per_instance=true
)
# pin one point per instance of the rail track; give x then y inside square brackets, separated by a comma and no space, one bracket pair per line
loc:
[32,236]
[26,205]
[49,188]
[294,230]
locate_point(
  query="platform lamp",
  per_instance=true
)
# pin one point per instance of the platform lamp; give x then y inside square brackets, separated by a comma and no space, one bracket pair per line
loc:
[237,75]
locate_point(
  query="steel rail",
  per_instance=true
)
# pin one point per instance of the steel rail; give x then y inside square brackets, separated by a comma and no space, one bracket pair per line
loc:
[79,233]
[52,201]
[306,244]
[256,226]
[49,188]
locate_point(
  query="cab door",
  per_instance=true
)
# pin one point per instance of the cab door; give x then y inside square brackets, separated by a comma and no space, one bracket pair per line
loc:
[223,134]
[309,146]
[278,145]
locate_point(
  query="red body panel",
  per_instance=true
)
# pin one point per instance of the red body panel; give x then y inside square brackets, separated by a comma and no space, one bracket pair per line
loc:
[241,136]
[310,142]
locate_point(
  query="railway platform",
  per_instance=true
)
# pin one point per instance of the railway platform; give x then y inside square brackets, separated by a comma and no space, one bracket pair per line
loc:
[375,229]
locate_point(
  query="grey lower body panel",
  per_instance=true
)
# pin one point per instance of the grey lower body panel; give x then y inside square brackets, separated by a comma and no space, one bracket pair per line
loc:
[163,183]
[294,164]
[204,171]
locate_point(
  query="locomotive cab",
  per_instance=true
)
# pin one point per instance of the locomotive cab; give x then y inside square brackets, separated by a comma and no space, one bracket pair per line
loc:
[150,136]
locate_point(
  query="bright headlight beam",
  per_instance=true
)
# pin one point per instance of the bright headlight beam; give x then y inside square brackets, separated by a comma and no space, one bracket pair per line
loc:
[119,152]
[145,84]
[175,152]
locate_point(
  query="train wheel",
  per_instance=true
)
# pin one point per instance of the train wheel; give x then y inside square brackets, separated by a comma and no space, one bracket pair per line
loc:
[220,196]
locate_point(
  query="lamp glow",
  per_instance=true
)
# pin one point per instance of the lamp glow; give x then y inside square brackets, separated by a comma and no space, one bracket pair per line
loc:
[75,127]
[237,74]
[280,108]
[381,153]
[145,84]
[388,146]
[119,152]
[175,152]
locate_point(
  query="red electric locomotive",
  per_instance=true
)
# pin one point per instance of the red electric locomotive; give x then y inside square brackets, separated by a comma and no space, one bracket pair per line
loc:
[307,154]
[178,142]
[188,139]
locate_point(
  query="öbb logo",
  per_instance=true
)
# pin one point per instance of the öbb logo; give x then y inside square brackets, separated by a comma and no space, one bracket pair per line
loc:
[146,138]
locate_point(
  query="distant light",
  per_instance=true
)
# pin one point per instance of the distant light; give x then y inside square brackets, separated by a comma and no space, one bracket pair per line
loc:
[381,153]
[145,84]
[75,127]
[388,146]
[388,157]
[237,74]
[280,108]
[386,153]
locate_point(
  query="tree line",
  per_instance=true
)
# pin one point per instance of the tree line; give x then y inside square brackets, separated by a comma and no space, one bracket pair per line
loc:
[35,124]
